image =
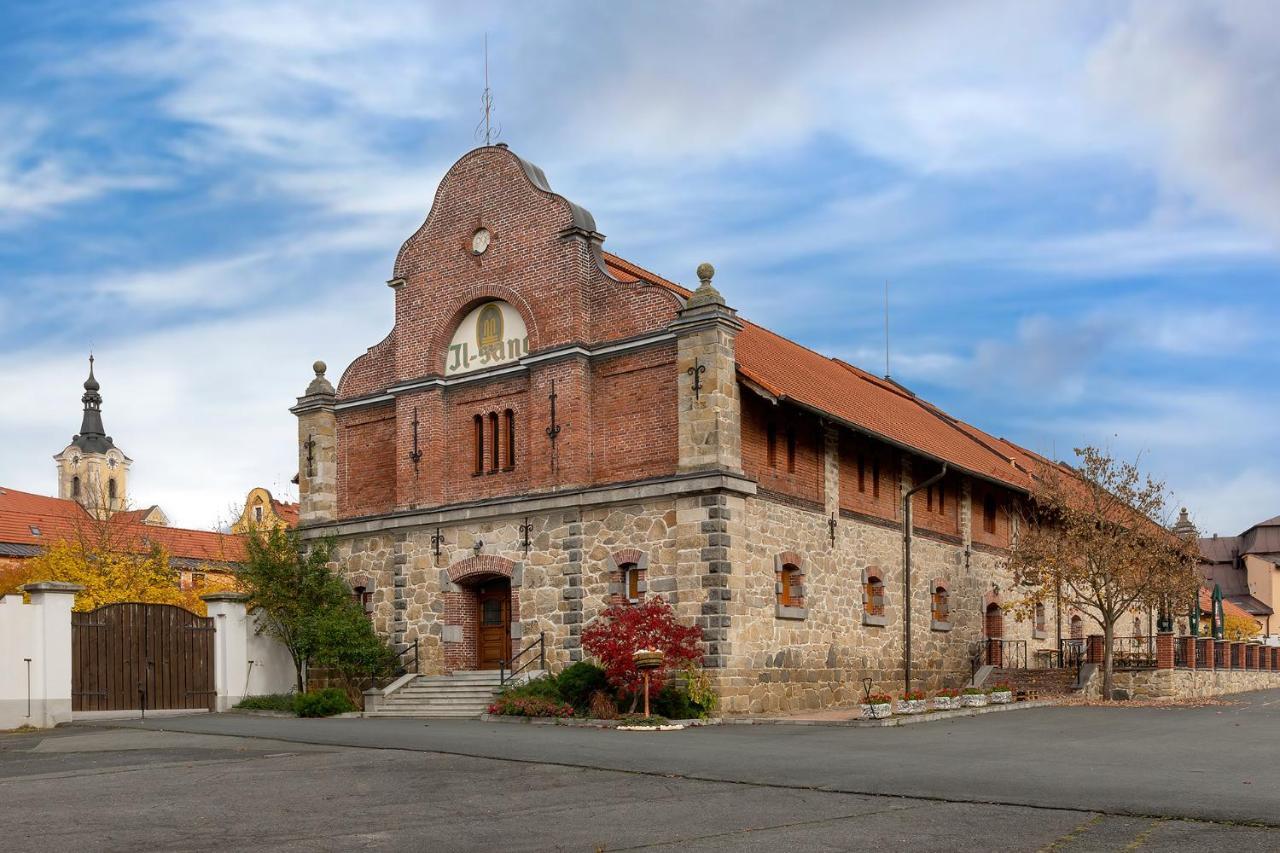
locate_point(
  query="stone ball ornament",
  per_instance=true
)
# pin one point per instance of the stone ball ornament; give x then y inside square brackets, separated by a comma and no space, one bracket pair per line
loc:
[319,367]
[705,271]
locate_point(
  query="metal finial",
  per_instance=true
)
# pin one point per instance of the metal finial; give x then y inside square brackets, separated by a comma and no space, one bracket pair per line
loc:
[486,101]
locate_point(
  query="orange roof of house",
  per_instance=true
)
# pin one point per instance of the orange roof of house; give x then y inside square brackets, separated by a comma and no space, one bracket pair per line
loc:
[37,520]
[1229,608]
[286,512]
[784,369]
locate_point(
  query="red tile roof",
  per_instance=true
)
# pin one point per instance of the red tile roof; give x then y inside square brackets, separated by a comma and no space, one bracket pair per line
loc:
[29,519]
[791,372]
[286,512]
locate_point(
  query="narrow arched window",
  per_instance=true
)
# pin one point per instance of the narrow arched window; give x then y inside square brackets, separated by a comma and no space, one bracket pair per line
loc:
[75,487]
[989,514]
[630,582]
[510,417]
[111,488]
[873,595]
[478,443]
[941,606]
[493,437]
[790,586]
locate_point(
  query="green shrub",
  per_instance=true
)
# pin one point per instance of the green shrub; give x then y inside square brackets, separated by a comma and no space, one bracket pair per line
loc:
[322,703]
[530,706]
[269,702]
[673,702]
[542,687]
[579,682]
[639,720]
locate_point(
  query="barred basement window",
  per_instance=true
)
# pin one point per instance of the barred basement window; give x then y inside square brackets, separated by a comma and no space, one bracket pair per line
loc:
[771,440]
[989,514]
[510,418]
[790,586]
[478,444]
[941,607]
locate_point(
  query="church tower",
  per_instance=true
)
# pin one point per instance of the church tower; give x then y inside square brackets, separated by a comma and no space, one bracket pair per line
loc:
[91,469]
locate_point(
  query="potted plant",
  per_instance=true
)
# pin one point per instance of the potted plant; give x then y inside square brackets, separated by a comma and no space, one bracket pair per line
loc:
[879,706]
[913,702]
[973,697]
[1001,694]
[946,699]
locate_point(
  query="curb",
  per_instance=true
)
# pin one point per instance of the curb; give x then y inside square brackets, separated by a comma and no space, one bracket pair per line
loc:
[578,722]
[896,720]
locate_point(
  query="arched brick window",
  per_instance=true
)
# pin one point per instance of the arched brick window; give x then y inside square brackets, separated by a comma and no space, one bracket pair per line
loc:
[628,580]
[75,487]
[941,603]
[493,439]
[510,418]
[477,441]
[790,586]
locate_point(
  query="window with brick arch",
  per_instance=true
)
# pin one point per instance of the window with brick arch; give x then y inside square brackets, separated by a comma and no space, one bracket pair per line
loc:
[941,604]
[989,514]
[478,443]
[873,593]
[493,438]
[790,586]
[509,418]
[364,598]
[630,582]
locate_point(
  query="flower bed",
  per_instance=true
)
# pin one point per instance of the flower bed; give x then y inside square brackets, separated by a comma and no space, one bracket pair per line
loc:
[1001,694]
[946,699]
[879,707]
[973,697]
[913,702]
[529,706]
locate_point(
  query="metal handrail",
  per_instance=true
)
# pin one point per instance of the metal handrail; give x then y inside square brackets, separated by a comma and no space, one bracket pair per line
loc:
[401,667]
[1005,654]
[540,643]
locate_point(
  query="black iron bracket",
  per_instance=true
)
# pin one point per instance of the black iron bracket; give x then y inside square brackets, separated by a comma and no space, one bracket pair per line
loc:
[416,453]
[553,431]
[831,526]
[311,446]
[696,372]
[437,539]
[526,530]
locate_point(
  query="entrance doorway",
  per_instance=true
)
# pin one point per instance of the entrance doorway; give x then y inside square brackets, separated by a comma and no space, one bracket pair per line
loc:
[493,631]
[993,626]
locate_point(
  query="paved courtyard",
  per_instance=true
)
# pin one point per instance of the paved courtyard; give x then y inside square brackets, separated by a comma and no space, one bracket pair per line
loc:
[1039,779]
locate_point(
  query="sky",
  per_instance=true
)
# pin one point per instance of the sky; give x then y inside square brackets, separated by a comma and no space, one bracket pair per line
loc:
[1076,206]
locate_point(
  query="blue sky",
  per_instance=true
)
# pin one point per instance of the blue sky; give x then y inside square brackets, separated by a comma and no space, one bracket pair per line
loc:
[1077,206]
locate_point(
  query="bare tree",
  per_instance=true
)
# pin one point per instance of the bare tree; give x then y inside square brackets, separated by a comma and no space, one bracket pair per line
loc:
[1097,535]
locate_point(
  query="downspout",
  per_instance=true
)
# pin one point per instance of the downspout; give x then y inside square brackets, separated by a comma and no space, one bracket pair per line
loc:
[906,571]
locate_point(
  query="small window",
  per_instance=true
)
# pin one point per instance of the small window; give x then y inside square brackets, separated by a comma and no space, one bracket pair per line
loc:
[989,514]
[790,586]
[791,451]
[493,440]
[862,473]
[928,499]
[75,486]
[1077,628]
[257,513]
[941,606]
[197,580]
[1137,627]
[478,443]
[111,488]
[35,531]
[873,590]
[631,582]
[875,478]
[1040,618]
[771,440]
[510,417]
[364,598]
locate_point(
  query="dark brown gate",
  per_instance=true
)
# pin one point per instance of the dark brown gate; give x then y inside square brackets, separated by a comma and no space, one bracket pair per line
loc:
[141,656]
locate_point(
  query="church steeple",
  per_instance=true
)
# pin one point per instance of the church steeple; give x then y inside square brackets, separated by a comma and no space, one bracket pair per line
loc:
[92,470]
[92,436]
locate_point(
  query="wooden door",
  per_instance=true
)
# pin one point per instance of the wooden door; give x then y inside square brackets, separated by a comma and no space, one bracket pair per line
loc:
[994,629]
[493,634]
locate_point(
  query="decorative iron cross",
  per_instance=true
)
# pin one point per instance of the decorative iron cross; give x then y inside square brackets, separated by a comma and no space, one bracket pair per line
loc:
[696,372]
[437,539]
[415,454]
[831,525]
[554,429]
[526,530]
[311,446]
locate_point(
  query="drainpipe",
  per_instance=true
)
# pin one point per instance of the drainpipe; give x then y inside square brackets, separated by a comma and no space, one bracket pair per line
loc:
[906,570]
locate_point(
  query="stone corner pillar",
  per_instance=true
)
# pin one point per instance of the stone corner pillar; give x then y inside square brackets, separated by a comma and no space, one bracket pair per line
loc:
[710,431]
[51,664]
[230,646]
[317,451]
[1164,650]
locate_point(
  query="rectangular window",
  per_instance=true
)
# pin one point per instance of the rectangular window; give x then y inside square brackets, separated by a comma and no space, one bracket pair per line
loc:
[477,441]
[862,473]
[511,438]
[631,582]
[873,589]
[875,478]
[771,439]
[493,436]
[989,514]
[791,451]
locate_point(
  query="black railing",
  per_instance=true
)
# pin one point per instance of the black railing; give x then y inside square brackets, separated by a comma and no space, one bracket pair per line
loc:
[405,662]
[540,644]
[1133,652]
[1179,652]
[1202,655]
[1006,654]
[1219,655]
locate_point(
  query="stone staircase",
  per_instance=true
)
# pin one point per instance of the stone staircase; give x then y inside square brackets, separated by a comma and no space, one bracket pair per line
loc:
[1035,683]
[461,694]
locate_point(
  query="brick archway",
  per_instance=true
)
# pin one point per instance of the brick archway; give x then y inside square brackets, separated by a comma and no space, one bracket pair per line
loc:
[461,584]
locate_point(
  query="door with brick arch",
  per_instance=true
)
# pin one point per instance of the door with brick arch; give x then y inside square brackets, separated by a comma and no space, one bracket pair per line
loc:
[493,631]
[993,628]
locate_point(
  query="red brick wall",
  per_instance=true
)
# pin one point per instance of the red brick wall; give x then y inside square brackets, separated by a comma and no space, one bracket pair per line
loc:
[805,482]
[980,492]
[873,454]
[366,464]
[633,415]
[944,517]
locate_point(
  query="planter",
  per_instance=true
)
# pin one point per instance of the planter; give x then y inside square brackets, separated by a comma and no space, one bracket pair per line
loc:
[1002,697]
[912,706]
[877,712]
[973,700]
[945,703]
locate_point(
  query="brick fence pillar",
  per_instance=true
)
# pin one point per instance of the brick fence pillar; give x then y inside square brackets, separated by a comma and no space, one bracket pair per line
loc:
[1188,651]
[1094,649]
[1207,644]
[1164,651]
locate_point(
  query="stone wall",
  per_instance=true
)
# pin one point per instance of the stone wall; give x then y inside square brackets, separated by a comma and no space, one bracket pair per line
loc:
[1184,683]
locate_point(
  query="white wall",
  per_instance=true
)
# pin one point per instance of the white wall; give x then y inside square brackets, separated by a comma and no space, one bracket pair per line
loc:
[36,693]
[236,643]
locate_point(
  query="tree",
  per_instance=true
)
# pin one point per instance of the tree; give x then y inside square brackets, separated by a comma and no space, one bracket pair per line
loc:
[306,606]
[1097,536]
[1237,628]
[623,629]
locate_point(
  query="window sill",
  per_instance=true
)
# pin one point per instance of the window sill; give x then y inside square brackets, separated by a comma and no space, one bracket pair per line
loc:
[785,612]
[1039,635]
[874,620]
[935,625]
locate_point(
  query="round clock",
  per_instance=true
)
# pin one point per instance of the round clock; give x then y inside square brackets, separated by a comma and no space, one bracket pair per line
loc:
[480,241]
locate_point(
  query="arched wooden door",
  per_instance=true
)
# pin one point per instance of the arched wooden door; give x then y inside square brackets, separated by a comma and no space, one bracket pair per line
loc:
[493,631]
[135,656]
[993,629]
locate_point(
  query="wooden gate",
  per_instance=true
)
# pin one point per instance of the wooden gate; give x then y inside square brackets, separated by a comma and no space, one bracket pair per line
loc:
[141,656]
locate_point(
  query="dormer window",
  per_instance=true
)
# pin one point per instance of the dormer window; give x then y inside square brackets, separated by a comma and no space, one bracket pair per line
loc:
[35,531]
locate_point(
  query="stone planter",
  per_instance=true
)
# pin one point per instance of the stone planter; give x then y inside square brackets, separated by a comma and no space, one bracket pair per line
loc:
[877,712]
[1001,697]
[973,700]
[945,703]
[912,706]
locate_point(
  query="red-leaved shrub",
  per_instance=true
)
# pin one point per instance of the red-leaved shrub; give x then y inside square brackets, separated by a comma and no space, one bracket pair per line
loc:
[530,706]
[623,629]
